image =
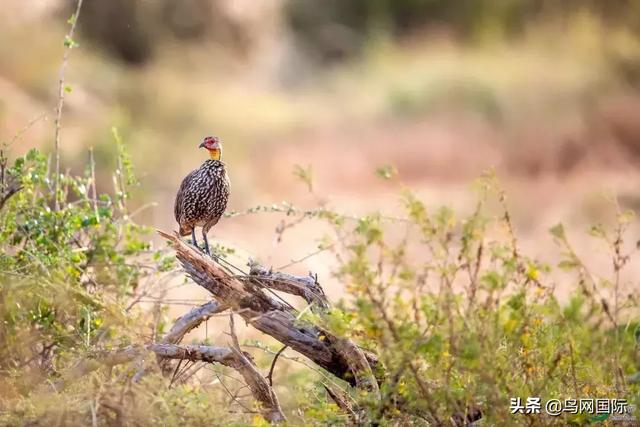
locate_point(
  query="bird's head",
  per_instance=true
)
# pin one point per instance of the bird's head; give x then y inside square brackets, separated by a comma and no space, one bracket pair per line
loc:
[213,145]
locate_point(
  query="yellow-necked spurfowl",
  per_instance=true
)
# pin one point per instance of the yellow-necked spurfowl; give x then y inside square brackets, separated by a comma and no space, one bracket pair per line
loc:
[203,194]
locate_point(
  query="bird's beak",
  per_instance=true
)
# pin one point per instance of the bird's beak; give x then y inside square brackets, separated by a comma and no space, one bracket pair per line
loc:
[201,145]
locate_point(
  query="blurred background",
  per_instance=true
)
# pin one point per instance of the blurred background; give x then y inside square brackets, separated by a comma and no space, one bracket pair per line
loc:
[545,91]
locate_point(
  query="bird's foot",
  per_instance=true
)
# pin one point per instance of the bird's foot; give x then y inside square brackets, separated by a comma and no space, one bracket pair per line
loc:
[201,249]
[206,248]
[214,256]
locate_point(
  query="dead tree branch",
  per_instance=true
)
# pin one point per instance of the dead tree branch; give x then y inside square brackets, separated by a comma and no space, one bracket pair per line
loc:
[306,287]
[191,320]
[359,366]
[230,357]
[246,296]
[275,319]
[343,403]
[260,388]
[186,323]
[194,353]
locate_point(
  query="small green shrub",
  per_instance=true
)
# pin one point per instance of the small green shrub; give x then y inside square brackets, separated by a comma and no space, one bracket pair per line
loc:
[66,275]
[462,319]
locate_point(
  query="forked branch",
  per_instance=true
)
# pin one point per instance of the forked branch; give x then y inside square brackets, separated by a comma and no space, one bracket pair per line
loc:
[244,295]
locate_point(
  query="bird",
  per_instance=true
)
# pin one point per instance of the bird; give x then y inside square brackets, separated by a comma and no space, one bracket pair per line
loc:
[203,195]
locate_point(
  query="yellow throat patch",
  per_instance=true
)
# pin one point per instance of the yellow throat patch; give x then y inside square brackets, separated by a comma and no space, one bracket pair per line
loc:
[214,154]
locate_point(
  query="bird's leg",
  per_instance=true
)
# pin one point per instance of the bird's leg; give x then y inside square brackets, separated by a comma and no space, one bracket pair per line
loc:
[206,242]
[194,242]
[206,245]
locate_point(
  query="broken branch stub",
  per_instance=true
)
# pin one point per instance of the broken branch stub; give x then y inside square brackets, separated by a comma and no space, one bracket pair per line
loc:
[305,287]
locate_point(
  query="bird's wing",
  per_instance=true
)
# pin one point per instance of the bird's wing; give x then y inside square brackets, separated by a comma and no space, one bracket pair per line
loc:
[177,208]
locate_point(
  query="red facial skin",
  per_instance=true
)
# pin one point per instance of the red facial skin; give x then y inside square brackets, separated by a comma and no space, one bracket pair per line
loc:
[211,143]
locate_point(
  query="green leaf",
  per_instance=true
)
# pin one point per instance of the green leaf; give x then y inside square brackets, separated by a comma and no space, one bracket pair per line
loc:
[568,264]
[386,172]
[492,280]
[305,175]
[69,42]
[558,231]
[597,231]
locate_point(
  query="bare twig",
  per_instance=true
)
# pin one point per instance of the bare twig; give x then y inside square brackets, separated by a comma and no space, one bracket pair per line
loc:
[233,396]
[69,44]
[92,165]
[273,364]
[22,131]
[175,372]
[307,256]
